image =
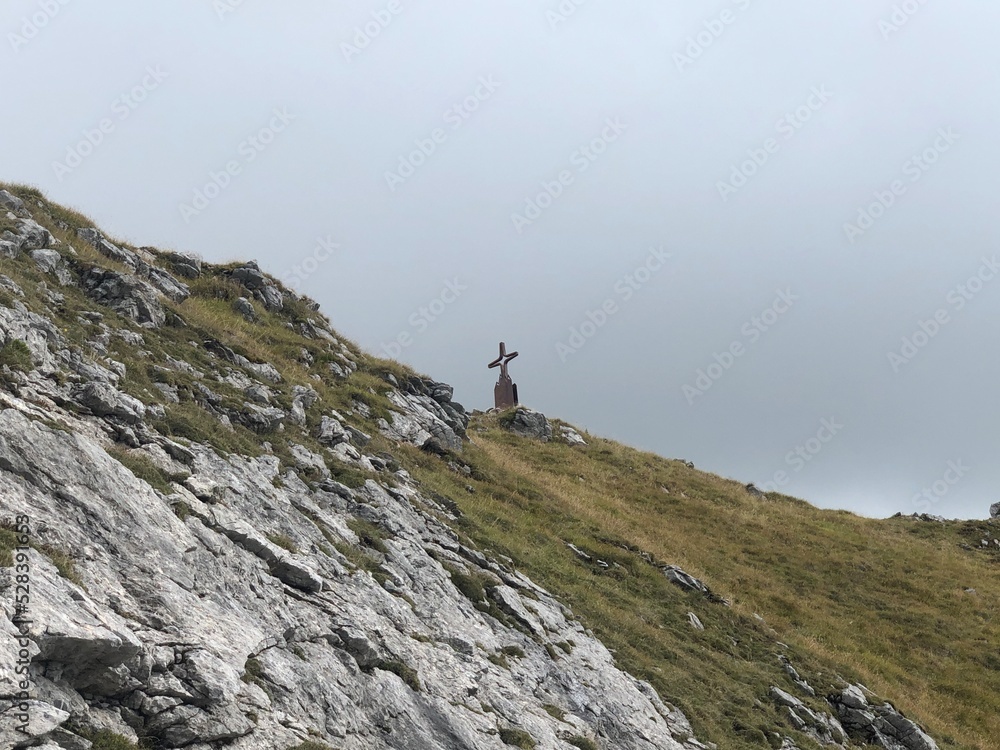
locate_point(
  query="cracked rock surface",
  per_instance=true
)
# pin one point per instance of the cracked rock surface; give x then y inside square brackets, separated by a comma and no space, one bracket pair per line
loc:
[242,624]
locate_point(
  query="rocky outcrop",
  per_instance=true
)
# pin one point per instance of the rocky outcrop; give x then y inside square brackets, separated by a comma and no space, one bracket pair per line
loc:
[822,727]
[126,294]
[27,236]
[570,435]
[527,423]
[250,277]
[240,621]
[425,416]
[878,725]
[995,510]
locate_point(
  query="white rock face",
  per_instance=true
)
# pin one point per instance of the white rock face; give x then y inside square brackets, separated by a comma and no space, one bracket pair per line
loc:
[242,624]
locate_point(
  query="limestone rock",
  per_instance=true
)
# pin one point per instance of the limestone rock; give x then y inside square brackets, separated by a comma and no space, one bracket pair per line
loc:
[10,202]
[245,308]
[176,611]
[29,236]
[251,277]
[419,421]
[879,725]
[51,262]
[183,264]
[528,423]
[570,435]
[128,295]
[105,401]
[995,510]
[331,431]
[108,249]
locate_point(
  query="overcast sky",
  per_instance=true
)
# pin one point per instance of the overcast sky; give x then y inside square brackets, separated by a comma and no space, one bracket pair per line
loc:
[755,234]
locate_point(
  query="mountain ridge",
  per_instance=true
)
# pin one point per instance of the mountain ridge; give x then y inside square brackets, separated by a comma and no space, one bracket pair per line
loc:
[289,461]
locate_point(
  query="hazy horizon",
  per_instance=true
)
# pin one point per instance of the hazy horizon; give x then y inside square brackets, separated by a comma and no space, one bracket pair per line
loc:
[756,236]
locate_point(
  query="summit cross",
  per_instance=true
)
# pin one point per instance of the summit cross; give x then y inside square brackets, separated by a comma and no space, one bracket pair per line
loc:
[505,391]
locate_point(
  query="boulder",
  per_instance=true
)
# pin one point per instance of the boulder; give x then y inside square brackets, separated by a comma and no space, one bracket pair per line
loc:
[878,725]
[125,294]
[331,432]
[995,510]
[171,287]
[10,202]
[527,423]
[245,308]
[105,401]
[250,276]
[183,264]
[51,262]
[30,235]
[571,436]
[420,422]
[93,237]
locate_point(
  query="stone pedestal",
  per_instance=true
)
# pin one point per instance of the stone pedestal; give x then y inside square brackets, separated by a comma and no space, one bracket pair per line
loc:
[505,393]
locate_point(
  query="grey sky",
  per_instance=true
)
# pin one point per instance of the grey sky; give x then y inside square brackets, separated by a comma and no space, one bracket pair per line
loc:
[535,87]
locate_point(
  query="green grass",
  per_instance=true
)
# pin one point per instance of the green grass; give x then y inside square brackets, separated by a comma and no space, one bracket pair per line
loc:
[554,711]
[8,543]
[371,535]
[284,541]
[584,743]
[406,673]
[880,602]
[143,468]
[62,561]
[105,739]
[16,355]
[517,738]
[311,745]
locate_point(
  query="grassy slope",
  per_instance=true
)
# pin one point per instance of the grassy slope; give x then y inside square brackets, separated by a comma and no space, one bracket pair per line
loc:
[882,602]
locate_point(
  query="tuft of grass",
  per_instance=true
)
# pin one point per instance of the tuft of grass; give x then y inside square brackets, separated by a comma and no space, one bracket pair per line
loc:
[145,469]
[284,541]
[105,739]
[16,355]
[371,536]
[311,745]
[584,743]
[65,565]
[554,711]
[405,672]
[62,561]
[499,659]
[191,422]
[517,738]
[8,543]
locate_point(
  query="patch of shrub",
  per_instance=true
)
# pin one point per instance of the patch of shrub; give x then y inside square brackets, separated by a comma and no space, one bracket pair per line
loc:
[371,536]
[16,355]
[406,673]
[143,468]
[554,711]
[517,738]
[284,541]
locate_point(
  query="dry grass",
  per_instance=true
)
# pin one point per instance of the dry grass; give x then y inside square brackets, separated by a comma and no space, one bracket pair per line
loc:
[882,602]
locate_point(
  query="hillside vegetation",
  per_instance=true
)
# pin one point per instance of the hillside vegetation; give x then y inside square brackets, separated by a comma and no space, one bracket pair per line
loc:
[906,606]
